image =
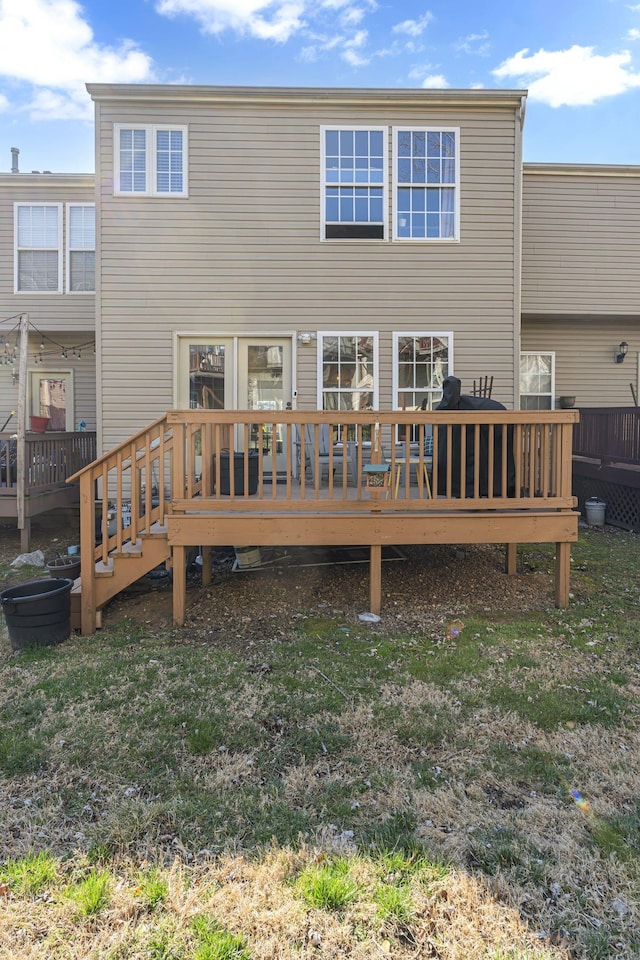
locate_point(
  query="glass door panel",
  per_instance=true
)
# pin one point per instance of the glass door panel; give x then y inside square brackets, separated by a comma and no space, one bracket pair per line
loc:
[264,384]
[52,397]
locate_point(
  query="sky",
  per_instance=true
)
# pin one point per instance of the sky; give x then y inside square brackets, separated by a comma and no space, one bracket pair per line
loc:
[579,60]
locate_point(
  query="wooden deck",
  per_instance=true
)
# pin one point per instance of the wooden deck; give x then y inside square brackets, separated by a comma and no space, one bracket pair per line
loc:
[49,460]
[495,477]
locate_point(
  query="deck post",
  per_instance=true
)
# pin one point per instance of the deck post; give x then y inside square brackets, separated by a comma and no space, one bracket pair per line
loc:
[375,578]
[25,535]
[179,585]
[562,573]
[87,554]
[511,559]
[206,553]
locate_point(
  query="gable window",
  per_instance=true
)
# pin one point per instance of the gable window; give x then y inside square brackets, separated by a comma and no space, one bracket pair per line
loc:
[354,183]
[81,248]
[537,380]
[150,160]
[348,371]
[38,248]
[426,175]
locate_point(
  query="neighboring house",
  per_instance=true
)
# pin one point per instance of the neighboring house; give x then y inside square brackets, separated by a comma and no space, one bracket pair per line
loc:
[47,271]
[331,249]
[581,280]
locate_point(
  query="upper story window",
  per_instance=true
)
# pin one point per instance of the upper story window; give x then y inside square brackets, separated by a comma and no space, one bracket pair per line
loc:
[38,248]
[81,248]
[426,184]
[150,160]
[354,183]
[348,371]
[537,380]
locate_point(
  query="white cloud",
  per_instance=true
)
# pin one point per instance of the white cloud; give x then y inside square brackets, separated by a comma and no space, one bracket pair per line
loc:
[352,49]
[48,44]
[574,77]
[4,103]
[274,20]
[436,81]
[415,28]
[633,34]
[474,43]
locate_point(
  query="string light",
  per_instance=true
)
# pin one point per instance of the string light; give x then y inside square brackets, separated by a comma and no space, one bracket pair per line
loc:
[9,351]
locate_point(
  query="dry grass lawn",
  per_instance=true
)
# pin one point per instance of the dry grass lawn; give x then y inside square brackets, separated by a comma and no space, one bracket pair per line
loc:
[278,780]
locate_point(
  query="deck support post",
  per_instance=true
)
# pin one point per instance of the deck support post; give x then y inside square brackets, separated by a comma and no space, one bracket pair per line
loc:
[88,613]
[375,578]
[179,585]
[25,535]
[206,554]
[562,573]
[511,559]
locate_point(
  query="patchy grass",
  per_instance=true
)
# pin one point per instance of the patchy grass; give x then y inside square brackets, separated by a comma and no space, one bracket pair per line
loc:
[317,787]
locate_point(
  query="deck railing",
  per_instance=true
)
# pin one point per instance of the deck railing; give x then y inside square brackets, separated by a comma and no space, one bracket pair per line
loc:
[50,459]
[479,459]
[609,434]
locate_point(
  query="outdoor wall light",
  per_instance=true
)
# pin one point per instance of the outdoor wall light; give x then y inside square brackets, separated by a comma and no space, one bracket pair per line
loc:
[306,337]
[624,346]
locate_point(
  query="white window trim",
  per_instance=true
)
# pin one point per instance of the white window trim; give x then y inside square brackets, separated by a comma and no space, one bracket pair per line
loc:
[395,185]
[537,353]
[151,130]
[347,333]
[36,203]
[385,180]
[70,249]
[395,386]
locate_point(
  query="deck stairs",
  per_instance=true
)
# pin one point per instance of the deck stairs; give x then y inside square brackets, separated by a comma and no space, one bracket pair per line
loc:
[122,568]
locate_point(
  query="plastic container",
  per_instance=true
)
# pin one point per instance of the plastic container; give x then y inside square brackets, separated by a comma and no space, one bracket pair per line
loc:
[247,557]
[595,509]
[65,567]
[38,612]
[238,473]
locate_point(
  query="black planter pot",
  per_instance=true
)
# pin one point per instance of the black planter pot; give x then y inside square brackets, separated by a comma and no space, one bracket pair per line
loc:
[38,612]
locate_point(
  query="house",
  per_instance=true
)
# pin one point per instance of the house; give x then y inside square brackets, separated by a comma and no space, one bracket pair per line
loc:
[273,263]
[580,280]
[47,277]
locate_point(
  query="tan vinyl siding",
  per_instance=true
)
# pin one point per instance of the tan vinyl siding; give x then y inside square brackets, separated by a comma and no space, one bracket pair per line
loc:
[581,240]
[585,353]
[49,311]
[242,254]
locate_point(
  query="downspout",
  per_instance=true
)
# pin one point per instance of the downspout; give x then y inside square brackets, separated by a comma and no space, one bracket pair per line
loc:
[517,251]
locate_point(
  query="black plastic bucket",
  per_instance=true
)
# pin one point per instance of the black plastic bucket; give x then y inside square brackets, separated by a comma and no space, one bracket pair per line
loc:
[38,612]
[65,567]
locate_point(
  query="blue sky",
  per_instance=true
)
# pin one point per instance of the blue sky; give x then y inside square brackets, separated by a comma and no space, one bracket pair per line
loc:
[579,60]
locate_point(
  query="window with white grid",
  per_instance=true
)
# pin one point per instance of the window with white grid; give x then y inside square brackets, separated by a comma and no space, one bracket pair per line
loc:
[354,183]
[150,160]
[426,178]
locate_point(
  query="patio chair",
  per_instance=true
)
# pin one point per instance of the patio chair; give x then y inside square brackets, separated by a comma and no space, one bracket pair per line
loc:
[324,457]
[483,388]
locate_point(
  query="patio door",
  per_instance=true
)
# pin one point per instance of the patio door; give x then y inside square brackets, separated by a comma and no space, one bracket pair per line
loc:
[264,384]
[51,393]
[238,373]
